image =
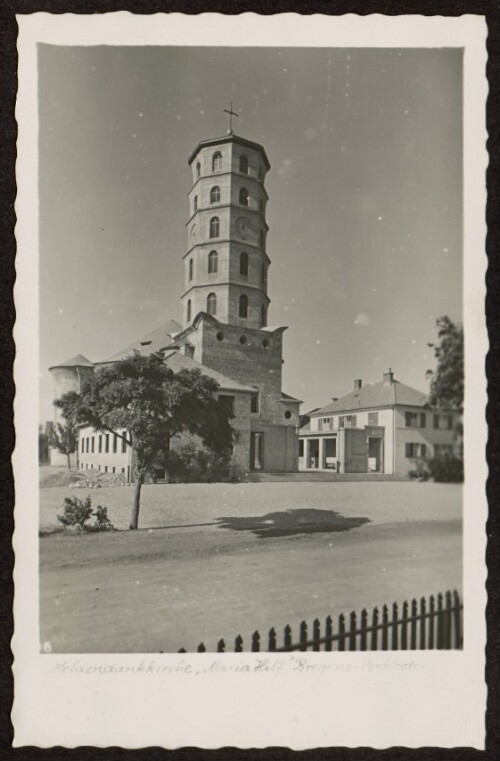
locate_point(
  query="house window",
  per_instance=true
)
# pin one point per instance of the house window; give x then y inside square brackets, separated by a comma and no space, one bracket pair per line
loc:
[188,316]
[443,422]
[326,424]
[213,260]
[415,419]
[190,269]
[115,443]
[373,418]
[243,164]
[105,468]
[217,162]
[254,402]
[301,447]
[347,421]
[92,445]
[198,169]
[83,445]
[214,227]
[212,303]
[243,312]
[244,264]
[244,197]
[124,443]
[228,403]
[196,203]
[215,194]
[415,450]
[106,444]
[100,443]
[263,315]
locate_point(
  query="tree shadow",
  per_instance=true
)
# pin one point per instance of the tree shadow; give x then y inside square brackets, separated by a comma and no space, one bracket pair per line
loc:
[290,522]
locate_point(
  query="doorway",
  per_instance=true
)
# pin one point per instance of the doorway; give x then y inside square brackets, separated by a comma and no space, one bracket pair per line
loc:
[374,455]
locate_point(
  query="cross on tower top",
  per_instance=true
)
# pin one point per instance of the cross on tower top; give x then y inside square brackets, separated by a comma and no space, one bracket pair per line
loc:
[231,114]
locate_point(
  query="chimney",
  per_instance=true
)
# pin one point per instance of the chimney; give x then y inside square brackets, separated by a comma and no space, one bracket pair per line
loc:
[388,378]
[357,384]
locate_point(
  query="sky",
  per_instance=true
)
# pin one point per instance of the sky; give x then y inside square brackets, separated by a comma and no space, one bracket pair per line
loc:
[365,199]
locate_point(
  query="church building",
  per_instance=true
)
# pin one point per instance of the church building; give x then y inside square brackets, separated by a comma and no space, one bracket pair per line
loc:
[224,331]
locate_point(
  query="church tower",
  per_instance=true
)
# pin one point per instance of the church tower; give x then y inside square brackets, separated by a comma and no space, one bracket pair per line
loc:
[226,262]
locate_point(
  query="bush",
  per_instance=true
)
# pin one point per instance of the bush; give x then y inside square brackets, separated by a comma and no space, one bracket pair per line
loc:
[191,463]
[78,511]
[420,470]
[447,469]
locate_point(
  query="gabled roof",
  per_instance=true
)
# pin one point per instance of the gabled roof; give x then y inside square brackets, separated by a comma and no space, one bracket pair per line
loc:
[77,361]
[230,137]
[159,339]
[177,361]
[374,395]
[288,398]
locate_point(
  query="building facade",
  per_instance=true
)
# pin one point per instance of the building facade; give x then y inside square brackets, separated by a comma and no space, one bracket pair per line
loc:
[377,428]
[224,305]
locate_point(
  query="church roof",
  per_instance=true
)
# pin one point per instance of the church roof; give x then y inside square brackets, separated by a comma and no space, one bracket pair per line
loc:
[229,138]
[288,398]
[177,361]
[376,395]
[160,338]
[77,361]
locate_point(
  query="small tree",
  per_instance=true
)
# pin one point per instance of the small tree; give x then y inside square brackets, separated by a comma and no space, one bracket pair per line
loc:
[145,398]
[64,438]
[447,380]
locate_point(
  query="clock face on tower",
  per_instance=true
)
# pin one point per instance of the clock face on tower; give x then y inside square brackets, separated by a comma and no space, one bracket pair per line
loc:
[244,228]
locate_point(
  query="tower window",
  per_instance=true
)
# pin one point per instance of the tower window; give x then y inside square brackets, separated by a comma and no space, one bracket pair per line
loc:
[217,162]
[215,194]
[244,164]
[198,169]
[262,238]
[254,402]
[263,315]
[212,262]
[244,197]
[195,201]
[214,227]
[212,303]
[190,269]
[189,311]
[243,311]
[264,277]
[244,264]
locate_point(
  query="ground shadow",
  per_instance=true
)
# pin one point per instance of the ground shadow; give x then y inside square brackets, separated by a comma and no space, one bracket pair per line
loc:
[290,522]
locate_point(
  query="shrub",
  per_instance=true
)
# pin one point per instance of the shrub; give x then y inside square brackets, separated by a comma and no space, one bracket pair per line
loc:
[420,470]
[447,469]
[78,511]
[191,463]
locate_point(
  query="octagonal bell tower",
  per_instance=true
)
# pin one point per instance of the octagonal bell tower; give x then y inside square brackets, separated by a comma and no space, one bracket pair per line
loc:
[226,261]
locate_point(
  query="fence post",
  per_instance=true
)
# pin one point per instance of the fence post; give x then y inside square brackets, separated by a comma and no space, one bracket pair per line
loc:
[316,634]
[440,623]
[303,636]
[395,624]
[374,642]
[422,622]
[448,621]
[432,617]
[255,642]
[404,627]
[272,640]
[221,646]
[385,628]
[201,648]
[288,637]
[238,644]
[414,616]
[364,626]
[341,632]
[328,633]
[457,619]
[352,631]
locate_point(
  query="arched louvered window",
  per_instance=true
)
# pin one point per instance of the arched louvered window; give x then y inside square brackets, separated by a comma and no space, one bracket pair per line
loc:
[263,316]
[215,194]
[244,197]
[189,311]
[243,312]
[214,227]
[196,203]
[213,260]
[244,164]
[198,169]
[244,264]
[212,303]
[190,269]
[217,162]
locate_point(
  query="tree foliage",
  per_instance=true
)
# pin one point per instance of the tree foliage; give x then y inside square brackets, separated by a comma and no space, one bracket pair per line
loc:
[146,399]
[447,380]
[64,438]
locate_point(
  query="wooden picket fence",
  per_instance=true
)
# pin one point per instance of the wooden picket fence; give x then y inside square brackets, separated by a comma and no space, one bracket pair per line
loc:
[433,624]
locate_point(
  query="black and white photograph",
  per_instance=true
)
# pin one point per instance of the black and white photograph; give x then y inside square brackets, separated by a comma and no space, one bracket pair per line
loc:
[251,295]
